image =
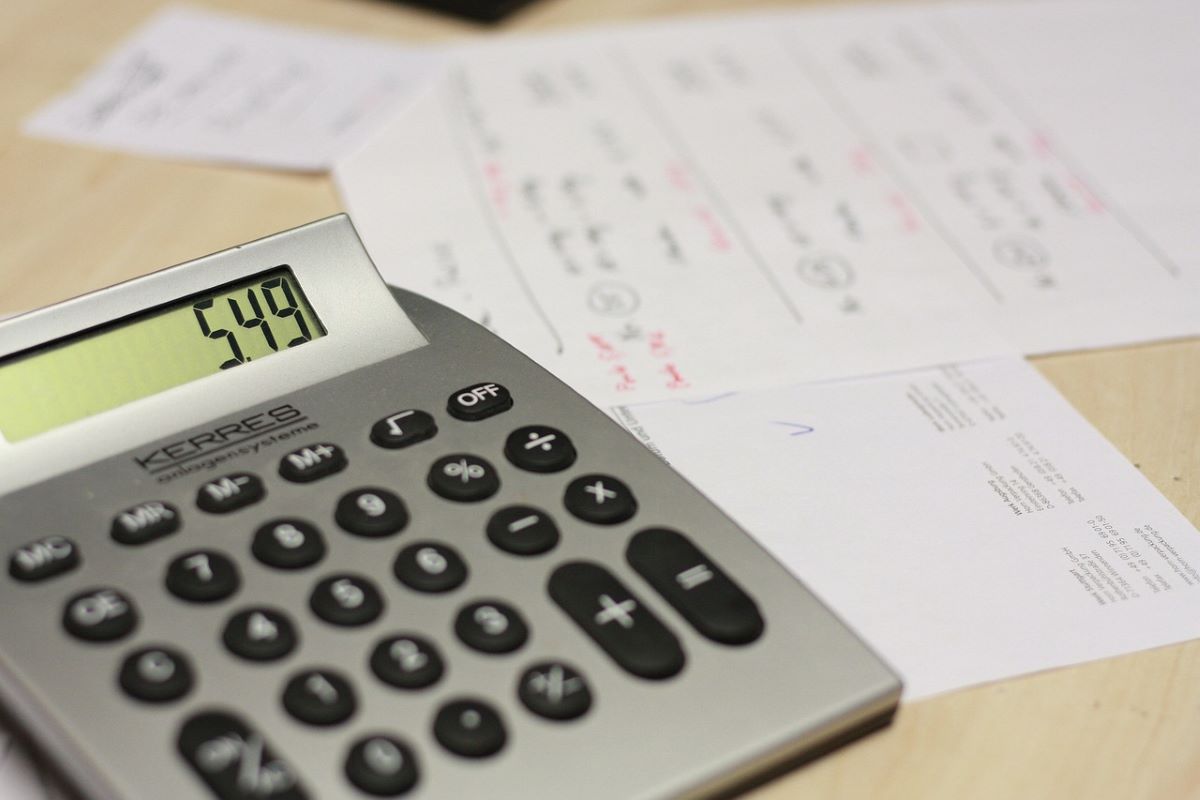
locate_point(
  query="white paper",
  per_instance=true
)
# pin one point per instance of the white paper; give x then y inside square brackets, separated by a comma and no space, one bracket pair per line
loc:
[966,521]
[749,201]
[20,778]
[202,85]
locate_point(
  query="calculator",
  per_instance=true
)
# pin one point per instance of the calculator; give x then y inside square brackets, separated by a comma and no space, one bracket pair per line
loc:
[276,531]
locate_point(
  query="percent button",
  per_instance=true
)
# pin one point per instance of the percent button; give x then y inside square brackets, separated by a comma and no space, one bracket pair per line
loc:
[539,448]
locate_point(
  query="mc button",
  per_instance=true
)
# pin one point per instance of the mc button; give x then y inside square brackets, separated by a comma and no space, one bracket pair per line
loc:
[482,400]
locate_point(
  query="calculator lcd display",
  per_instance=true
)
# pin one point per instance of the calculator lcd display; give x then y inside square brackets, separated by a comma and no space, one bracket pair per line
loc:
[152,351]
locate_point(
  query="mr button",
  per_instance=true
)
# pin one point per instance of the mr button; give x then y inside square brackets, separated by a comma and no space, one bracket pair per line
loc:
[479,401]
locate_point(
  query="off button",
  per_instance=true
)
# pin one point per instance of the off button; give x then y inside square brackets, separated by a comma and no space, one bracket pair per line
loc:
[479,401]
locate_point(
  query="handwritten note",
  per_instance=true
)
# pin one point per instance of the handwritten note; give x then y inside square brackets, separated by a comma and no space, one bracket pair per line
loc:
[202,85]
[691,208]
[965,519]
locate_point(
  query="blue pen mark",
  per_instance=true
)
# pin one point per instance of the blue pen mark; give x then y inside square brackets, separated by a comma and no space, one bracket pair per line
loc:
[712,399]
[800,429]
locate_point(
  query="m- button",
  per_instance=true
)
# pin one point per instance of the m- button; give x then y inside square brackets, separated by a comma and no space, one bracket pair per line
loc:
[482,400]
[229,493]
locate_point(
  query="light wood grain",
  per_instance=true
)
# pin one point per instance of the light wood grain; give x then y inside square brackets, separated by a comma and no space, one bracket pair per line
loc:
[73,220]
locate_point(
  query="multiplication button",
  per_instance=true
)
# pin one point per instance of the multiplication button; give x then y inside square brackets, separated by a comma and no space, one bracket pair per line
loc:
[43,558]
[314,461]
[479,401]
[230,492]
[601,499]
[403,429]
[156,675]
[144,523]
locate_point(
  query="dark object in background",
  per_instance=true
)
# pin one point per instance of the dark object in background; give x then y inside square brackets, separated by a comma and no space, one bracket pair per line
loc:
[482,10]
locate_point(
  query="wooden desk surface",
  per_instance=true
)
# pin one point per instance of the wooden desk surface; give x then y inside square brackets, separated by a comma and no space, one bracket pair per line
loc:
[74,219]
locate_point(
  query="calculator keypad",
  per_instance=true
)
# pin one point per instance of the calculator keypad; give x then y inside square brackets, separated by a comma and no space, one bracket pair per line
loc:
[230,492]
[371,512]
[463,478]
[554,690]
[403,429]
[100,615]
[491,626]
[430,567]
[203,576]
[383,766]
[479,401]
[320,697]
[347,600]
[235,761]
[522,530]
[288,544]
[145,522]
[156,674]
[260,634]
[312,463]
[407,661]
[539,448]
[43,558]
[470,728]
[600,499]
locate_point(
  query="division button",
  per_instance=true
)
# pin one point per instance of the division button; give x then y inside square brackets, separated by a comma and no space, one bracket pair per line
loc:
[371,512]
[616,620]
[230,492]
[156,674]
[319,697]
[288,544]
[314,461]
[202,576]
[470,728]
[479,401]
[601,499]
[346,600]
[234,761]
[464,478]
[144,523]
[383,766]
[491,626]
[430,567]
[259,634]
[522,530]
[43,558]
[403,428]
[100,615]
[539,448]
[407,661]
[698,589]
[555,691]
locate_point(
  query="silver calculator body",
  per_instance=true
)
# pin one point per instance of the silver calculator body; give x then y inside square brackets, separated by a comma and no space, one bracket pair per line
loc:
[705,720]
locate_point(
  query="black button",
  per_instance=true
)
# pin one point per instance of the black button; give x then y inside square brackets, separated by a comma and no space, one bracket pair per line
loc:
[234,761]
[554,690]
[407,662]
[382,765]
[539,448]
[100,615]
[230,492]
[522,530]
[144,523]
[371,512]
[430,567]
[156,674]
[695,586]
[491,627]
[319,697]
[463,477]
[44,558]
[470,728]
[346,600]
[601,499]
[202,576]
[288,544]
[479,401]
[403,428]
[616,620]
[259,634]
[314,461]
